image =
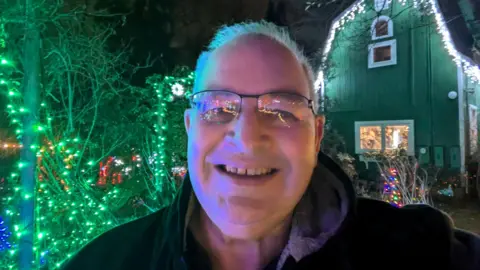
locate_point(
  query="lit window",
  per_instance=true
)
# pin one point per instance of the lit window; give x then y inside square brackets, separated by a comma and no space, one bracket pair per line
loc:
[382,5]
[384,136]
[396,137]
[382,27]
[382,54]
[371,138]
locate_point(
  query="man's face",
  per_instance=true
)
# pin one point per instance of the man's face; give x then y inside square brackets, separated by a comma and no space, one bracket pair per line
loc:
[223,156]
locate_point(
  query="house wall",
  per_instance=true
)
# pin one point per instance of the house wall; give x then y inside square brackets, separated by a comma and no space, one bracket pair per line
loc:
[415,88]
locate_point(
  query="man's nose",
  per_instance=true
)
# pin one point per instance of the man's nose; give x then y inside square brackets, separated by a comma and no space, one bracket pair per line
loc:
[247,133]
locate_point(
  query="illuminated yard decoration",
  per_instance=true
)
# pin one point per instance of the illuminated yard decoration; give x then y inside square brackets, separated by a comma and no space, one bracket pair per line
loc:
[78,196]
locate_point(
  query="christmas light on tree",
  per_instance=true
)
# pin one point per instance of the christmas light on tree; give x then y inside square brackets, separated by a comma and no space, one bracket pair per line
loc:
[71,210]
[172,93]
[405,182]
[391,191]
[79,195]
[4,236]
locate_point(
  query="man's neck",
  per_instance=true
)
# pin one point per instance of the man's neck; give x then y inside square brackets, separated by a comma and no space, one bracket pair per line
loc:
[232,254]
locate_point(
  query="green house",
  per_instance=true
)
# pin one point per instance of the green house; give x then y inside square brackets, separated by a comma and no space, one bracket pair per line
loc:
[399,74]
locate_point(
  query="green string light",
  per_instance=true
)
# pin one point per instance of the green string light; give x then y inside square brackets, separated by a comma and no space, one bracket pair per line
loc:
[69,211]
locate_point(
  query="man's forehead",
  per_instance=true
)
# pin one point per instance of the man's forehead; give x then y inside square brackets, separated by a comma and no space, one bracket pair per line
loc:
[253,62]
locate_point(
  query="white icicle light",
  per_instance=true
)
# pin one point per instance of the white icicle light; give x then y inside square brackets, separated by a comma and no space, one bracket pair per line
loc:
[469,68]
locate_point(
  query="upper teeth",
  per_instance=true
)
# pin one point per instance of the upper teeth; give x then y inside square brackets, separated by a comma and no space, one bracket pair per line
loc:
[243,171]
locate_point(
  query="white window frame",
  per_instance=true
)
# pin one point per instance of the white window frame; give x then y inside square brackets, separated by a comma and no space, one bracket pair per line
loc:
[383,124]
[373,28]
[380,5]
[393,60]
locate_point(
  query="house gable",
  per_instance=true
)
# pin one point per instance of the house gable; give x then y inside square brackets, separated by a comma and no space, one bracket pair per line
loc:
[403,100]
[468,66]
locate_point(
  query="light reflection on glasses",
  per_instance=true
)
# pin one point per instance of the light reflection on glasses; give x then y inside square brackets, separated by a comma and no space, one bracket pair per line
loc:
[276,109]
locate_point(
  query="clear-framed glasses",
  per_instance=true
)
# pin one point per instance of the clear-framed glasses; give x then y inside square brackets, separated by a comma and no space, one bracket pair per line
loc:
[277,109]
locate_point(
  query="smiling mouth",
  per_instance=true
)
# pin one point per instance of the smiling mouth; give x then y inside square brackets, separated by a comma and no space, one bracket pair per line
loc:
[246,171]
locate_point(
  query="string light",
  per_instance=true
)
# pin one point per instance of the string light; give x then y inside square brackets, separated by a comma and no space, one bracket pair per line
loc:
[70,208]
[470,68]
[391,192]
[4,236]
[178,89]
[10,145]
[177,86]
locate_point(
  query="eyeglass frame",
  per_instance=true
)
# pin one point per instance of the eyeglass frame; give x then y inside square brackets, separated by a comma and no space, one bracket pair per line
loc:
[309,101]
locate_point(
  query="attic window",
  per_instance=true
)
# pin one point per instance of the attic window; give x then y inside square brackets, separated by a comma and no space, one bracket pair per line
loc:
[382,54]
[382,27]
[382,5]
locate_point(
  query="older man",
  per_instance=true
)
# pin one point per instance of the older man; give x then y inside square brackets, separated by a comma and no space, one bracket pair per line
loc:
[259,195]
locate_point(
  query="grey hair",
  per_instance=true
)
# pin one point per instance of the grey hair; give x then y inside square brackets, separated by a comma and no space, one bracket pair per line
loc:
[230,33]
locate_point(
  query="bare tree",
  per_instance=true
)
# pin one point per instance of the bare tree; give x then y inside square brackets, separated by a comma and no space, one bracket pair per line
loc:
[411,184]
[89,113]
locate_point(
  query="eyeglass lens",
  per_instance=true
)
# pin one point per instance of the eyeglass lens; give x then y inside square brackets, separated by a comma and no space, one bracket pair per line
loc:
[278,109]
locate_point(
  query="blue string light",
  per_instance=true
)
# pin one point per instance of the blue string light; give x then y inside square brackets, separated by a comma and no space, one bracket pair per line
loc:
[4,235]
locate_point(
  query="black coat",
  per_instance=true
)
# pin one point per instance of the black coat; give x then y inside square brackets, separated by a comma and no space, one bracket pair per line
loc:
[373,235]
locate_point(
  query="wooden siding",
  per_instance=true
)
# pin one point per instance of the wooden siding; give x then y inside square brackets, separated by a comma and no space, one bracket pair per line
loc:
[415,88]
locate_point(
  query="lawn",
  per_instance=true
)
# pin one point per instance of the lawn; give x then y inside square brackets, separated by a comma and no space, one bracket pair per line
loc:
[466,215]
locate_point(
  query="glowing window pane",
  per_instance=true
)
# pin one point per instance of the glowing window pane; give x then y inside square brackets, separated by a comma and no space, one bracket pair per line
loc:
[371,137]
[396,137]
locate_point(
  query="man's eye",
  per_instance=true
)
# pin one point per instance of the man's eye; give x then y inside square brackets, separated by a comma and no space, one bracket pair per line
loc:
[280,115]
[219,115]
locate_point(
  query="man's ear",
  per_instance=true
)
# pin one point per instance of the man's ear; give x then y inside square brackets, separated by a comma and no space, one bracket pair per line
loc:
[187,119]
[319,131]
